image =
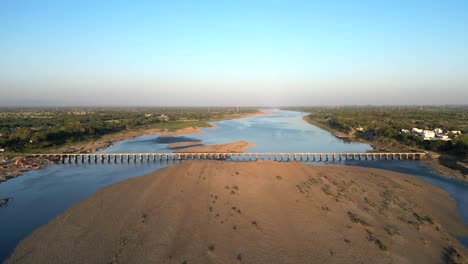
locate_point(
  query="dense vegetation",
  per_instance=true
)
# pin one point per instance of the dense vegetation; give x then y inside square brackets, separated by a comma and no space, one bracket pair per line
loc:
[383,125]
[33,129]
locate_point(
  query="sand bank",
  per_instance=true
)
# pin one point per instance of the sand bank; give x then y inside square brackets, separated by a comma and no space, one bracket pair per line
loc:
[254,212]
[234,147]
[183,144]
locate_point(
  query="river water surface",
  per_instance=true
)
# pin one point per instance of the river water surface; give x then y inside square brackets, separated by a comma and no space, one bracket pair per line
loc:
[38,196]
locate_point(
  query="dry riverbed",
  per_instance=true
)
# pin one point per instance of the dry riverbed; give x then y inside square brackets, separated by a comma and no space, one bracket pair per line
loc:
[255,212]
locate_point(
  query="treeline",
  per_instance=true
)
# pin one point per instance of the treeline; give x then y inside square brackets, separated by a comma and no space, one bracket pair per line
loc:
[384,124]
[33,129]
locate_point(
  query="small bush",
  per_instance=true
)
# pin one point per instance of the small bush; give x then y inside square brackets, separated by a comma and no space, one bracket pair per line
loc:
[355,219]
[211,247]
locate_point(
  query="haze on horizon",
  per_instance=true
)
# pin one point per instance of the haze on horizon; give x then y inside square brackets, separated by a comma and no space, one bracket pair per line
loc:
[163,53]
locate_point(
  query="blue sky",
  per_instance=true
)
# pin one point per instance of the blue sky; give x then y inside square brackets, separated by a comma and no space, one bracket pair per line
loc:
[233,52]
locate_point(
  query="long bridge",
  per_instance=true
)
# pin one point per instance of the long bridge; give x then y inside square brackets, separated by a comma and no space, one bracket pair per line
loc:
[246,156]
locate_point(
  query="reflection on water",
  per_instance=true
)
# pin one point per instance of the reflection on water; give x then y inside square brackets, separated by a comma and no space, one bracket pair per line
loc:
[41,195]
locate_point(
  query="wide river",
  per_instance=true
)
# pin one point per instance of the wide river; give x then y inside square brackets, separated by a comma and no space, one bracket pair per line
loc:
[38,196]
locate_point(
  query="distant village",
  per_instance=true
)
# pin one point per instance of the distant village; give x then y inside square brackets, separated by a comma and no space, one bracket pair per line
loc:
[160,116]
[436,134]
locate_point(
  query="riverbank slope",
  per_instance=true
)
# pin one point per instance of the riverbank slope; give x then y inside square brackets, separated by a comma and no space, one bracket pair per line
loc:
[255,212]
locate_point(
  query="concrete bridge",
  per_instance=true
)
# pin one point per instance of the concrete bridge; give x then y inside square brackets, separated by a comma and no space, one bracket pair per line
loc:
[275,156]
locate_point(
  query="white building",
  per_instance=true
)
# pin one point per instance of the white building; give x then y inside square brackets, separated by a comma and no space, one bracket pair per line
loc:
[443,137]
[417,130]
[456,132]
[405,131]
[427,134]
[438,131]
[164,118]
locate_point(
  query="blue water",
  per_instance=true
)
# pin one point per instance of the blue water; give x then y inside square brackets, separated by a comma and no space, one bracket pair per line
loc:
[38,196]
[283,131]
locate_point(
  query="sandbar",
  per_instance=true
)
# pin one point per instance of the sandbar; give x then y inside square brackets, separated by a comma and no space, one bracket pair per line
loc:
[255,212]
[234,147]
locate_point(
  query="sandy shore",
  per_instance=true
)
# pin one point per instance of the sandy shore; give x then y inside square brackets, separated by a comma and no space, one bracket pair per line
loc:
[234,147]
[435,164]
[255,212]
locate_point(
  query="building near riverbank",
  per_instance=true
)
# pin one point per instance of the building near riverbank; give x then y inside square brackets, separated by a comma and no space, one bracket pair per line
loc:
[435,134]
[427,134]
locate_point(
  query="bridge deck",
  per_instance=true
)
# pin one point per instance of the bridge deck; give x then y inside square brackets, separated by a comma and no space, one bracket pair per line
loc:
[247,156]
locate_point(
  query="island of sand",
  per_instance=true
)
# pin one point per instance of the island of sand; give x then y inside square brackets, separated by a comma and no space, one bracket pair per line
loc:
[233,147]
[255,212]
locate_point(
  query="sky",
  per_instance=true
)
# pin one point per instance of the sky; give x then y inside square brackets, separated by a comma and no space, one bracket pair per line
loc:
[243,52]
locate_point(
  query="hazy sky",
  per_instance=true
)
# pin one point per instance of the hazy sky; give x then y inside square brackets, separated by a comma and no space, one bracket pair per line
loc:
[241,52]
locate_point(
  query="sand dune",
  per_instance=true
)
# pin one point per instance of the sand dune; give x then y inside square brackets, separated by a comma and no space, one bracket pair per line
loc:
[254,212]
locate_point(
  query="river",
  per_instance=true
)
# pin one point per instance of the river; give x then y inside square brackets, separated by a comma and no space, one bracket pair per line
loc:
[38,196]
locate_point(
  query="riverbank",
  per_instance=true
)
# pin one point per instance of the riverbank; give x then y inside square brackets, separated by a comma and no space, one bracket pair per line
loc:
[433,160]
[255,212]
[17,166]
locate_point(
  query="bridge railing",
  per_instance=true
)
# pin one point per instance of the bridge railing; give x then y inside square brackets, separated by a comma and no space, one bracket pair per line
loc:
[247,156]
